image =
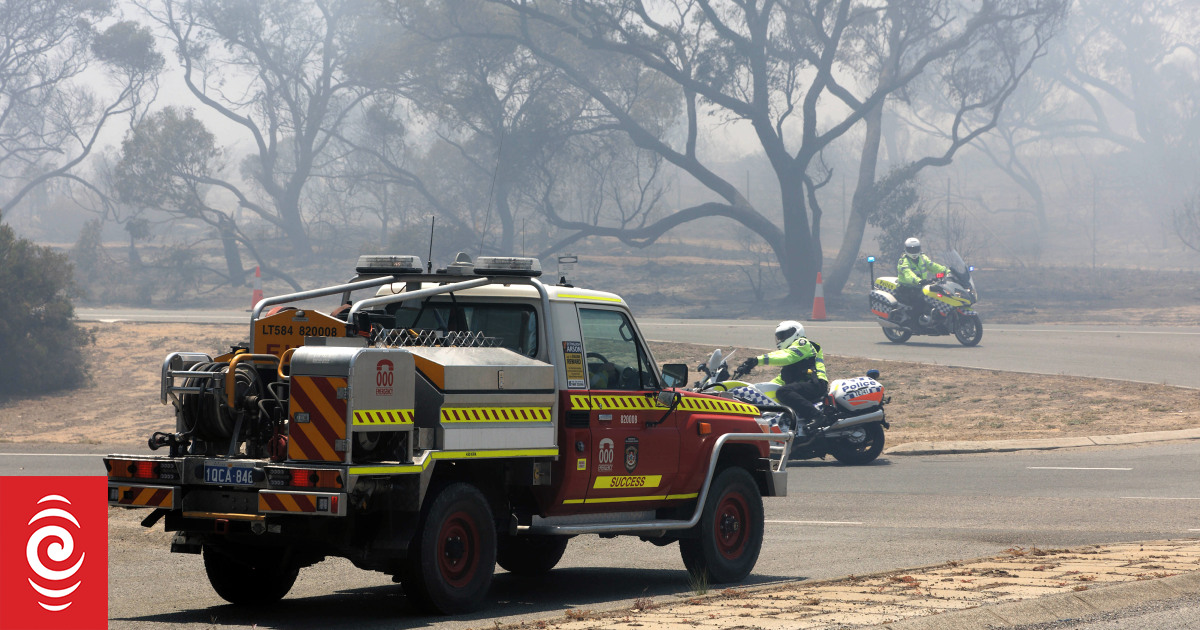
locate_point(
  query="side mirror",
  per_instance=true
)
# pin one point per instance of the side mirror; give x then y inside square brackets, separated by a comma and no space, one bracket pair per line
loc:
[675,374]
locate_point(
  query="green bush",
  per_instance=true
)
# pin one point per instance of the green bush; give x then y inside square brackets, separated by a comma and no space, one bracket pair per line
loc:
[40,343]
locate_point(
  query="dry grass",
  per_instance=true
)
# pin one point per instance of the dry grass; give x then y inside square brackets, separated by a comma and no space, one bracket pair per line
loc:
[929,402]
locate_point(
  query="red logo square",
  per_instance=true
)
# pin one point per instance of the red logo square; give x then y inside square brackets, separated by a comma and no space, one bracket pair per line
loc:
[54,553]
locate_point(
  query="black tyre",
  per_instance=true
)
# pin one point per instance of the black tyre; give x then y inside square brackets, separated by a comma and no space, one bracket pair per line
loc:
[452,557]
[968,329]
[896,336]
[249,576]
[530,555]
[730,532]
[859,447]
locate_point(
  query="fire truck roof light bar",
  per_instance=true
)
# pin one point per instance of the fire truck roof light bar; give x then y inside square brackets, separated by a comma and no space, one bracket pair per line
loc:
[508,266]
[673,525]
[388,264]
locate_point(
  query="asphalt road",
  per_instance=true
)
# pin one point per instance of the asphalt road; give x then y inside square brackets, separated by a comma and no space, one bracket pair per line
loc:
[837,520]
[1132,353]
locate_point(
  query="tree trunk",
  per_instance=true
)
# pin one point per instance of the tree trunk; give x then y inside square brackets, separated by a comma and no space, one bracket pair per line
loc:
[293,224]
[796,261]
[856,223]
[233,257]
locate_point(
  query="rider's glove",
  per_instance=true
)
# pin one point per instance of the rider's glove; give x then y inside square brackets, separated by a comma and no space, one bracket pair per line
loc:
[926,283]
[748,364]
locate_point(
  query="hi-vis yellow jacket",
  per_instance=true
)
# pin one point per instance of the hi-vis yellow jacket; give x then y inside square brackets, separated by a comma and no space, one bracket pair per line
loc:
[914,271]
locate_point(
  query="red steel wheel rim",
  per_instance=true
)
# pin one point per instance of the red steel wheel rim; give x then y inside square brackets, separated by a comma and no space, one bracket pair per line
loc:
[458,549]
[730,527]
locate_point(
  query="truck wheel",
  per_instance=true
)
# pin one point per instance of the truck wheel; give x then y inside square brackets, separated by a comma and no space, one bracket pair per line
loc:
[249,576]
[453,555]
[530,555]
[730,530]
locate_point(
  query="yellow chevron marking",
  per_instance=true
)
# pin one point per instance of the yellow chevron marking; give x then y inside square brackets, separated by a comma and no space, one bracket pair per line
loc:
[695,403]
[323,405]
[689,403]
[316,439]
[382,416]
[289,502]
[495,414]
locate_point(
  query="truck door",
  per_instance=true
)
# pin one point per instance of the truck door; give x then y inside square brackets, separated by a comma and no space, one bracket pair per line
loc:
[635,442]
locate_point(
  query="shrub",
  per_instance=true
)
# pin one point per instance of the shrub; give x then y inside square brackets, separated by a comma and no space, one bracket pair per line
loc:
[40,343]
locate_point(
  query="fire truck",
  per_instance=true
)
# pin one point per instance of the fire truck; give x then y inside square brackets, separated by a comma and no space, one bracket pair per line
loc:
[449,421]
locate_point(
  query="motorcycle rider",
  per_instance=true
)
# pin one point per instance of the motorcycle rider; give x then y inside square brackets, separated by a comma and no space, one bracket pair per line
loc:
[802,380]
[914,271]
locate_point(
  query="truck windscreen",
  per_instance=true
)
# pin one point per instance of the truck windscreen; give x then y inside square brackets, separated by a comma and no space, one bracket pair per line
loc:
[514,326]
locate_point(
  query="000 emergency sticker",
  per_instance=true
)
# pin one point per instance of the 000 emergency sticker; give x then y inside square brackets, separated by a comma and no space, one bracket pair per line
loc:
[573,361]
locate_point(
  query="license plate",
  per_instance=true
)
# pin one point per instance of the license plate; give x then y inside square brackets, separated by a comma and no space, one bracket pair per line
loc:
[235,475]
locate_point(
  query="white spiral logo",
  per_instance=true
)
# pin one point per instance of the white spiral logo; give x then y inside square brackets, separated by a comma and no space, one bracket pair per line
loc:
[59,551]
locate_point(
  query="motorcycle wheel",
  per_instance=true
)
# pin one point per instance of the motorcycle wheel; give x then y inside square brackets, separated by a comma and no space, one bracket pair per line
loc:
[863,451]
[896,336]
[968,329]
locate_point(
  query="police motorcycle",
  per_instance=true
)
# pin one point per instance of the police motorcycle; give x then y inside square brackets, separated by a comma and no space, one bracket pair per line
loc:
[948,301]
[852,423]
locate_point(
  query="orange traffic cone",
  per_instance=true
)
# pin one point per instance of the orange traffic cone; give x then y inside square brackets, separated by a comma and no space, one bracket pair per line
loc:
[818,313]
[257,296]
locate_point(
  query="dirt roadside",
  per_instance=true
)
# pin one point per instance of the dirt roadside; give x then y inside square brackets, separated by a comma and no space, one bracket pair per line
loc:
[907,595]
[929,402]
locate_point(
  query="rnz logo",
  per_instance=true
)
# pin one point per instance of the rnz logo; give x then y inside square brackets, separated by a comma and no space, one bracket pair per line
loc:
[54,550]
[54,585]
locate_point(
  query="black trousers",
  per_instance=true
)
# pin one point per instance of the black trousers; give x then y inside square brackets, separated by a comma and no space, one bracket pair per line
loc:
[801,395]
[914,296]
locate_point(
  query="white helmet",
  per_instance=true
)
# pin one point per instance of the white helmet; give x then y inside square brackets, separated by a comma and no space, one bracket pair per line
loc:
[912,248]
[786,333]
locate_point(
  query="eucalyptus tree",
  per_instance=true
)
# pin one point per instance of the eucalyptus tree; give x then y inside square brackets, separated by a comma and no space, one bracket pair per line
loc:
[492,112]
[788,72]
[281,72]
[1120,81]
[170,163]
[63,79]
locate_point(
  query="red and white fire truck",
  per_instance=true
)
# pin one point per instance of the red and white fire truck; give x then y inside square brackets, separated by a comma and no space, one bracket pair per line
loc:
[449,421]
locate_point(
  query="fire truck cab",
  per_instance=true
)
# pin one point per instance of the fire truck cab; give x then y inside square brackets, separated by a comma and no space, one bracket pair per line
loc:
[450,421]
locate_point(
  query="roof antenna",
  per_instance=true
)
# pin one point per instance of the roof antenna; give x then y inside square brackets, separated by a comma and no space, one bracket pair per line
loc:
[491,191]
[429,261]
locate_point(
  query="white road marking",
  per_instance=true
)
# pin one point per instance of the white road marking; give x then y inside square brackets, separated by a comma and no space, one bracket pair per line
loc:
[817,522]
[1070,468]
[51,455]
[1165,498]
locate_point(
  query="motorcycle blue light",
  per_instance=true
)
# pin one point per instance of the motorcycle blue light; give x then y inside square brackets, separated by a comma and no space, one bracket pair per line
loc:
[971,268]
[870,259]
